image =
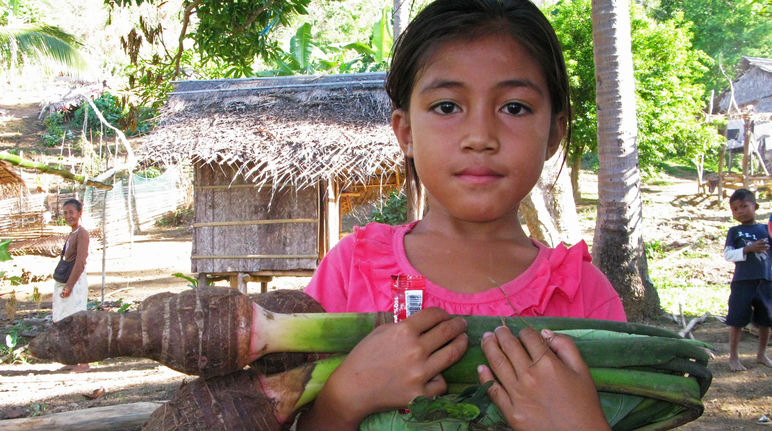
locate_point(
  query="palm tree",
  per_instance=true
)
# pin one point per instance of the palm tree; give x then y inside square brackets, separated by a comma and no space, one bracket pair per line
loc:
[52,47]
[618,243]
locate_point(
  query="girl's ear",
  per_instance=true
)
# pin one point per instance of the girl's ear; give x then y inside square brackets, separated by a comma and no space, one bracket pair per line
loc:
[557,132]
[400,123]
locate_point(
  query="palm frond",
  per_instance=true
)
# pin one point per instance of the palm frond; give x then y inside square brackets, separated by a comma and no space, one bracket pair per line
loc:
[49,45]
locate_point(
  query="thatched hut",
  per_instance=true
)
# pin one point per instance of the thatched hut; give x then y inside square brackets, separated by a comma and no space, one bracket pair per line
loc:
[747,107]
[277,162]
[11,184]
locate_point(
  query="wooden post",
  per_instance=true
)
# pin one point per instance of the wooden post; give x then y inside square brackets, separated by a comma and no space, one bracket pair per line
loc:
[746,152]
[202,279]
[239,282]
[104,243]
[720,185]
[332,214]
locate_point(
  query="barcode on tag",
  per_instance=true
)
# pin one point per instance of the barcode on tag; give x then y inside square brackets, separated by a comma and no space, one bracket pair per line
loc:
[407,294]
[414,301]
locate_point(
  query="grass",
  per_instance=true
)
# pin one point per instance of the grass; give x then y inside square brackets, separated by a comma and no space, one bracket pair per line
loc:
[692,298]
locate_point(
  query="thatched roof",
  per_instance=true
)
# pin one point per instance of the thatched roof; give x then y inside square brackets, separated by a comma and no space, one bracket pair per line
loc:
[11,184]
[296,130]
[753,85]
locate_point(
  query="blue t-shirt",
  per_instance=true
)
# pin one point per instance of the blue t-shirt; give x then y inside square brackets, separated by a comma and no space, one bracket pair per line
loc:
[756,266]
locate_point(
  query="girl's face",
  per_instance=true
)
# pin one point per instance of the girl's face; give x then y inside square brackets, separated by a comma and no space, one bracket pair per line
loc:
[479,127]
[71,215]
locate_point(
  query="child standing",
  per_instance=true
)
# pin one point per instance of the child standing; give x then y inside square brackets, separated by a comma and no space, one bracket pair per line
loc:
[750,299]
[480,96]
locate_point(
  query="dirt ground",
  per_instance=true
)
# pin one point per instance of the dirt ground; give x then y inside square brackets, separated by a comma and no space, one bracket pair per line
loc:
[673,216]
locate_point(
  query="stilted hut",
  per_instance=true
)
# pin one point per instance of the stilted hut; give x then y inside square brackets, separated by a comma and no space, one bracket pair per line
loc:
[277,162]
[747,106]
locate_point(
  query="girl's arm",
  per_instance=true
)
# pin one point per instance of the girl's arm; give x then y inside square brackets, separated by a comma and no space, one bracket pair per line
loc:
[388,369]
[80,262]
[542,382]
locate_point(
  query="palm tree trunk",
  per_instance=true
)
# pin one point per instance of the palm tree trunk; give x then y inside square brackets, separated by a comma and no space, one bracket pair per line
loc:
[618,243]
[549,209]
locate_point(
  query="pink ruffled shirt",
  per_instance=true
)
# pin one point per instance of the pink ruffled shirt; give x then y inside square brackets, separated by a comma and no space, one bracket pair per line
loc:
[355,276]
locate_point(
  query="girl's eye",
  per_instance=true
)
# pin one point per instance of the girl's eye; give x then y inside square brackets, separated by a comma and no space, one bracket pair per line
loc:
[515,108]
[445,108]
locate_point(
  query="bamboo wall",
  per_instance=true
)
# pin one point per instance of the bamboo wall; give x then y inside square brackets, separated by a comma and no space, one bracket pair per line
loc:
[240,228]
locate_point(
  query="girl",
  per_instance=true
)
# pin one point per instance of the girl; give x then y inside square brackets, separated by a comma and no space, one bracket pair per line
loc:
[72,296]
[480,96]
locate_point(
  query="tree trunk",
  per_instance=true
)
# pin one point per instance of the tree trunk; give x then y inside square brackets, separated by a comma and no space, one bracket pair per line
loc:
[618,243]
[401,16]
[576,166]
[549,209]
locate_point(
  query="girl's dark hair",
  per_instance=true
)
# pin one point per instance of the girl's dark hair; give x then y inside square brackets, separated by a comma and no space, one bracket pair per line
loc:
[466,20]
[74,202]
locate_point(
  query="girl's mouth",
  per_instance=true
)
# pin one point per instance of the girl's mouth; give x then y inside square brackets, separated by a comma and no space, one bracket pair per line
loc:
[478,175]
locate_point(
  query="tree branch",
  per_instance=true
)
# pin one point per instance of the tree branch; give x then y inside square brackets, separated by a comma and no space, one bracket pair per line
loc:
[18,161]
[185,21]
[250,20]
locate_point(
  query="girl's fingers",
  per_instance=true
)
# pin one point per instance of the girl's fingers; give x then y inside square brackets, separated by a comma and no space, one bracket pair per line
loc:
[513,346]
[441,333]
[565,348]
[497,394]
[499,362]
[537,346]
[447,355]
[435,386]
[426,319]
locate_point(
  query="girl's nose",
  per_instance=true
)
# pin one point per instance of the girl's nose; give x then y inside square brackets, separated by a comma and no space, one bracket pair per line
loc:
[480,132]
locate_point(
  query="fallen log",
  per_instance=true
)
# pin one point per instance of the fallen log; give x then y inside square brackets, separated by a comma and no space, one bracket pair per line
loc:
[121,416]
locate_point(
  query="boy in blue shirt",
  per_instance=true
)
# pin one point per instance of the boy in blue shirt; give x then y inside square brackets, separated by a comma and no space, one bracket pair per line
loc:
[750,299]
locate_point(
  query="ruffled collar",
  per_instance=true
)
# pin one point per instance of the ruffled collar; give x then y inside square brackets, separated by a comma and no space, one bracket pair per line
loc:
[380,253]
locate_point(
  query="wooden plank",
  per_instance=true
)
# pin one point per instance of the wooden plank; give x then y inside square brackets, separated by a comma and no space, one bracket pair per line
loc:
[119,416]
[240,186]
[253,222]
[237,226]
[255,256]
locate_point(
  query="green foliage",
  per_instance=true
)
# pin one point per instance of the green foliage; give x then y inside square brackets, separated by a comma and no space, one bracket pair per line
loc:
[233,33]
[4,255]
[654,249]
[149,172]
[725,30]
[667,73]
[108,105]
[668,92]
[391,210]
[193,283]
[11,352]
[55,130]
[308,56]
[467,406]
[24,39]
[182,216]
[36,409]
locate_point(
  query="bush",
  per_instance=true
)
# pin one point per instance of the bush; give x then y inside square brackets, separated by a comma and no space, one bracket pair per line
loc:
[182,216]
[391,210]
[149,172]
[108,105]
[55,129]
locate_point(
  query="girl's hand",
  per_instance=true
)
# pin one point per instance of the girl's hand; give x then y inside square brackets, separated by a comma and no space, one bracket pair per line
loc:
[543,383]
[389,368]
[66,291]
